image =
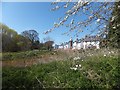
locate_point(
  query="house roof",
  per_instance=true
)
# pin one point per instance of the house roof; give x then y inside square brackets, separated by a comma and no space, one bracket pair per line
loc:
[91,38]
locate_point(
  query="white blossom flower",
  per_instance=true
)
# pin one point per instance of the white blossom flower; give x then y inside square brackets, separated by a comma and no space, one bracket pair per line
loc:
[82,59]
[72,21]
[114,27]
[113,18]
[74,13]
[66,5]
[80,30]
[57,7]
[68,12]
[90,17]
[105,26]
[118,25]
[56,25]
[119,6]
[98,20]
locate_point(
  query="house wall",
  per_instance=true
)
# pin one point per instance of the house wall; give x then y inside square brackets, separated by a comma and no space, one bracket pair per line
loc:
[85,45]
[80,45]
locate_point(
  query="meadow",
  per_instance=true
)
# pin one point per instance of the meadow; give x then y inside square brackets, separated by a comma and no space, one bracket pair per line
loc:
[90,69]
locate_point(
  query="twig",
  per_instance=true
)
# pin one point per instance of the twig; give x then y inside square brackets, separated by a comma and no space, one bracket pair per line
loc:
[39,82]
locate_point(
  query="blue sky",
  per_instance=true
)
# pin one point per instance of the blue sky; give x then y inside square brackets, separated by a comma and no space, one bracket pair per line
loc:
[22,16]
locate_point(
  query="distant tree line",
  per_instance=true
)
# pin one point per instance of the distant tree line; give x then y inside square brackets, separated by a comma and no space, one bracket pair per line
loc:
[27,40]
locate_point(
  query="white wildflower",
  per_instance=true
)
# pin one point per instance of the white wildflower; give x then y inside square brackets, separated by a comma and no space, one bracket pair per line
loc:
[58,0]
[82,59]
[73,68]
[76,58]
[112,51]
[76,65]
[104,55]
[80,65]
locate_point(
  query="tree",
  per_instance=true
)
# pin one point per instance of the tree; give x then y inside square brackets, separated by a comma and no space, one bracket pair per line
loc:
[97,13]
[8,38]
[48,44]
[23,43]
[114,27]
[32,35]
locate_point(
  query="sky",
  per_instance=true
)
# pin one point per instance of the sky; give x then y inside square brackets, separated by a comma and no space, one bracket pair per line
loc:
[22,16]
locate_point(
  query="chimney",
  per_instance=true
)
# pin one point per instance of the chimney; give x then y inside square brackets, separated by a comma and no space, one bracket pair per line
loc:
[71,43]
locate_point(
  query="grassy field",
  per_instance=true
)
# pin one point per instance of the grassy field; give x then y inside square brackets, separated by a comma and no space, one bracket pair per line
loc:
[77,70]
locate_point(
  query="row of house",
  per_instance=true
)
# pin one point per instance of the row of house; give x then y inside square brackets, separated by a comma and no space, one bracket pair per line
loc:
[84,43]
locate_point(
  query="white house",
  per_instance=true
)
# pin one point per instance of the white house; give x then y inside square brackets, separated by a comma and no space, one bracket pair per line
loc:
[84,43]
[87,42]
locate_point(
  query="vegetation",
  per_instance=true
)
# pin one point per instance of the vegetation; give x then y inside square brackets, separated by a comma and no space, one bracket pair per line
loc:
[27,40]
[114,27]
[24,55]
[98,69]
[94,72]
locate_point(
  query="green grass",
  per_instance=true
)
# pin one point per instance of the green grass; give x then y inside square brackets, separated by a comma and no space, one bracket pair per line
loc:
[95,72]
[24,55]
